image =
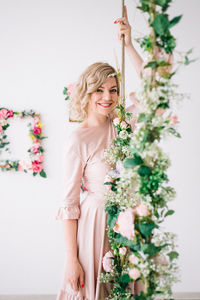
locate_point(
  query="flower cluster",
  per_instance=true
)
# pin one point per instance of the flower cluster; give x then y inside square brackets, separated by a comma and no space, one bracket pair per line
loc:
[33,163]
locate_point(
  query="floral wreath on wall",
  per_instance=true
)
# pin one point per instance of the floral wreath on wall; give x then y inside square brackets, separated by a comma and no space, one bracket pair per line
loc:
[33,163]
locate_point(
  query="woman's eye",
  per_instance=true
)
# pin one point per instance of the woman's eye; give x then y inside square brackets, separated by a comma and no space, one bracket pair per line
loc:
[114,91]
[99,91]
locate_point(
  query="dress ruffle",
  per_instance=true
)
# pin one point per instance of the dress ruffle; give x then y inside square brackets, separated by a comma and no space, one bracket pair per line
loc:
[68,212]
[65,295]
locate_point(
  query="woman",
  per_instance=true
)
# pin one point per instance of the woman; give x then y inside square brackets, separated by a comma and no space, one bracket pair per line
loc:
[93,100]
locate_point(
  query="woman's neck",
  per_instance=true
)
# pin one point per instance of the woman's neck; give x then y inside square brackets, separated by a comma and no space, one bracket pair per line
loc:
[94,120]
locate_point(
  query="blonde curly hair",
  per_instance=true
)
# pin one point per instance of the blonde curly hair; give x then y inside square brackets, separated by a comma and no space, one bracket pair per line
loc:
[88,82]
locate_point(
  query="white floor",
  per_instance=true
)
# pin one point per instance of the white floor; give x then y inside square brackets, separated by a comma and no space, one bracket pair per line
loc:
[177,296]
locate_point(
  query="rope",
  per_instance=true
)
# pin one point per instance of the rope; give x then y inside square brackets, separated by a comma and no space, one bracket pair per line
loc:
[122,100]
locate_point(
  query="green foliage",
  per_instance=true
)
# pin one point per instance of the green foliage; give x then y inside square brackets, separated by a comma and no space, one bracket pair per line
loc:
[146,228]
[173,255]
[133,162]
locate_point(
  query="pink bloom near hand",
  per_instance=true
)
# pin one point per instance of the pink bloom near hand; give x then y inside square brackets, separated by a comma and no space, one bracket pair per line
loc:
[134,273]
[125,224]
[107,261]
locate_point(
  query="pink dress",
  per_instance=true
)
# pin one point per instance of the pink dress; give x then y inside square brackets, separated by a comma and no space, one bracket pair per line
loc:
[84,161]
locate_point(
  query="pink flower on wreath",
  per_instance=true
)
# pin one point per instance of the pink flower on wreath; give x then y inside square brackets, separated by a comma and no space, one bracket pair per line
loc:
[1,128]
[35,148]
[134,273]
[125,224]
[141,210]
[122,250]
[116,121]
[40,158]
[133,259]
[160,111]
[36,166]
[10,114]
[37,130]
[173,120]
[123,124]
[35,121]
[7,166]
[3,113]
[70,88]
[107,261]
[20,168]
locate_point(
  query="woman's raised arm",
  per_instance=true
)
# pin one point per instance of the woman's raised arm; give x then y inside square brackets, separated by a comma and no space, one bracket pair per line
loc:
[125,28]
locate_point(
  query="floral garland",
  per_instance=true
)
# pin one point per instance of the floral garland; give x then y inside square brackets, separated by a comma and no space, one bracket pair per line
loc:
[33,163]
[142,262]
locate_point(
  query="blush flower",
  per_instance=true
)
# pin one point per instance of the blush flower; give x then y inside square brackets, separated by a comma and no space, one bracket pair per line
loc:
[122,250]
[125,224]
[116,121]
[123,124]
[3,113]
[107,261]
[133,259]
[160,111]
[70,88]
[134,273]
[141,210]
[173,120]
[35,148]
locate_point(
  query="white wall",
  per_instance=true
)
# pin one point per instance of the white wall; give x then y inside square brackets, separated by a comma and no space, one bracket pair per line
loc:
[45,45]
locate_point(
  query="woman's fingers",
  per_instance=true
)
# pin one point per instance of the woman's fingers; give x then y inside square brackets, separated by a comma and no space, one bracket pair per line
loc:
[121,21]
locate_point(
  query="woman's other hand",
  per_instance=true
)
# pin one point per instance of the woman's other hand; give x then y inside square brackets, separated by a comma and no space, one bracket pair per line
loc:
[124,28]
[74,274]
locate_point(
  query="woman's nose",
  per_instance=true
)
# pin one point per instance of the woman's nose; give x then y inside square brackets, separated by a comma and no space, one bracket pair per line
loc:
[106,95]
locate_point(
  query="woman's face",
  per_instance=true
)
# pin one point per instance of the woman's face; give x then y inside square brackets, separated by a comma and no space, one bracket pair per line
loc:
[104,99]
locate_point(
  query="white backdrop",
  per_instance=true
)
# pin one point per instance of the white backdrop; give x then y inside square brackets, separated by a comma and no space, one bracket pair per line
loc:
[44,45]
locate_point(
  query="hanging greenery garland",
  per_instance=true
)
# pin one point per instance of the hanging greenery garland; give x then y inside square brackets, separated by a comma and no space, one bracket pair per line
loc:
[142,262]
[33,163]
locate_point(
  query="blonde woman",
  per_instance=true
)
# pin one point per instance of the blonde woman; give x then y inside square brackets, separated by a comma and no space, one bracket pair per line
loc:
[93,100]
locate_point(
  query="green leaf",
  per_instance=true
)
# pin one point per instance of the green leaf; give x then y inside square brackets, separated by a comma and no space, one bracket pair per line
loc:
[142,118]
[111,210]
[169,212]
[146,228]
[174,21]
[122,240]
[174,132]
[133,162]
[150,249]
[172,255]
[161,24]
[43,174]
[125,278]
[144,171]
[111,221]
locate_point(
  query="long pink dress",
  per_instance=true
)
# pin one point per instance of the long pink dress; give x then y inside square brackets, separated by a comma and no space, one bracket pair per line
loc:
[84,160]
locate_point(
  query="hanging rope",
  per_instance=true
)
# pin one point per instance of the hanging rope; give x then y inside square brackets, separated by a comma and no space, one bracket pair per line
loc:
[122,100]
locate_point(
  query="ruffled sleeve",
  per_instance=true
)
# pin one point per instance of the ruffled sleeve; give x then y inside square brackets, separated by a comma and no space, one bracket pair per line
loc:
[73,172]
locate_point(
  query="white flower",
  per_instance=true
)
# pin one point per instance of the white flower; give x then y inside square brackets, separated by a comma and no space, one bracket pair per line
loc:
[123,134]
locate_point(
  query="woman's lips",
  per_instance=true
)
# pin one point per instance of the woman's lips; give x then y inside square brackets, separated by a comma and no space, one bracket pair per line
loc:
[105,105]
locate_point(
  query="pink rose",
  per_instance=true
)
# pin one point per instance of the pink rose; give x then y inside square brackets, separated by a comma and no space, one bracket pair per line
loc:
[7,166]
[70,88]
[10,114]
[133,259]
[134,273]
[20,168]
[1,128]
[122,250]
[160,111]
[37,130]
[36,166]
[40,158]
[141,210]
[3,113]
[173,120]
[107,261]
[35,147]
[116,121]
[123,124]
[125,224]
